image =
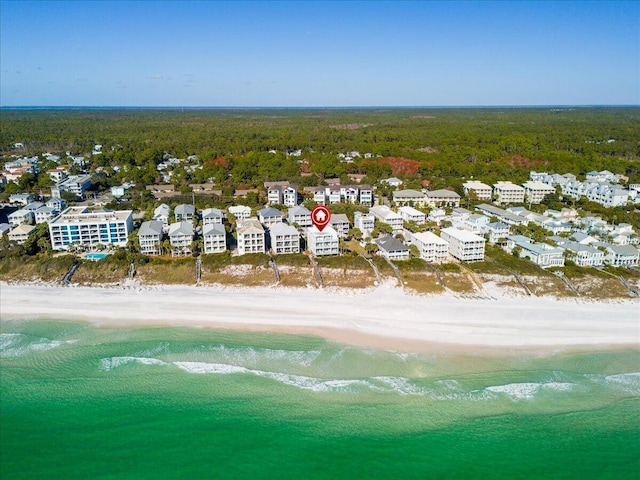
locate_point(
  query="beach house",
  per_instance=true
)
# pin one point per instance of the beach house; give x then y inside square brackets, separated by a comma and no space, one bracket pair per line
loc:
[212,216]
[181,238]
[432,248]
[20,233]
[299,215]
[365,222]
[391,248]
[340,223]
[251,237]
[464,245]
[214,236]
[150,237]
[323,242]
[184,213]
[410,214]
[284,239]
[270,216]
[385,215]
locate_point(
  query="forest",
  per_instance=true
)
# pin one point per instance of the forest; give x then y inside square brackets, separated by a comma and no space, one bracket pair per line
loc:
[444,146]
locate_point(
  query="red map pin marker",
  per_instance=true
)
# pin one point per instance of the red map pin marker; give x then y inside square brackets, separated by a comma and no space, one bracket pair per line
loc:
[320,216]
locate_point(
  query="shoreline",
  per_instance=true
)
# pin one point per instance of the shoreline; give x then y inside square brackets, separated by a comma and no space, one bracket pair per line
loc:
[380,317]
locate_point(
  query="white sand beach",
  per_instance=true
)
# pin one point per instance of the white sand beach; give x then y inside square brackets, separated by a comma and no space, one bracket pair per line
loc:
[383,317]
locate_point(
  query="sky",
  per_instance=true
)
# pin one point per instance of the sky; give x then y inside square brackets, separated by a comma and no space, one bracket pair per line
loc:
[318,53]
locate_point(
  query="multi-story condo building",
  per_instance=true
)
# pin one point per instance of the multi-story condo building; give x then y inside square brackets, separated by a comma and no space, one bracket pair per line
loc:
[409,197]
[410,214]
[323,242]
[184,213]
[300,216]
[270,216]
[432,248]
[212,216]
[535,192]
[251,238]
[443,198]
[76,184]
[507,192]
[477,188]
[340,224]
[150,237]
[284,239]
[181,238]
[365,222]
[215,238]
[77,225]
[464,245]
[385,215]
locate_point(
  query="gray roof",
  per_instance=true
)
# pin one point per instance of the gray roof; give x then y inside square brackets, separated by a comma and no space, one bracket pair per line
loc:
[623,249]
[185,209]
[497,225]
[270,212]
[181,228]
[299,210]
[282,229]
[152,227]
[390,244]
[408,194]
[213,229]
[443,193]
[339,218]
[212,213]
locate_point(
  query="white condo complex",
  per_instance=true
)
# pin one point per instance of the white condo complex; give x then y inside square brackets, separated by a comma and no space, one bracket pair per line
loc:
[78,225]
[464,245]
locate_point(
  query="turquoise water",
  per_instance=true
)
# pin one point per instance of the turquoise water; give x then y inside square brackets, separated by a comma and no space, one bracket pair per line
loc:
[82,402]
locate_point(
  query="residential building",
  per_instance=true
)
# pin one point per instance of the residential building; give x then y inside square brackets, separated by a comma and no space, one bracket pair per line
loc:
[502,215]
[215,238]
[290,196]
[478,189]
[150,237]
[365,222]
[392,182]
[284,239]
[583,255]
[432,248]
[212,216]
[437,215]
[240,212]
[270,216]
[77,225]
[385,215]
[621,255]
[340,224]
[5,228]
[44,214]
[323,242]
[443,198]
[181,238]
[21,198]
[119,190]
[22,216]
[275,192]
[476,223]
[56,203]
[535,192]
[391,248]
[410,214]
[542,254]
[161,214]
[20,233]
[76,184]
[251,238]
[507,192]
[299,215]
[184,213]
[464,245]
[497,231]
[409,198]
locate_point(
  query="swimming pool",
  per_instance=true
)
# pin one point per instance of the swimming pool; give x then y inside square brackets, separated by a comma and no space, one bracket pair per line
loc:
[95,256]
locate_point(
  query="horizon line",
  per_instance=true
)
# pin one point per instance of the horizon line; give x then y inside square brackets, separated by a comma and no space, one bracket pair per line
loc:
[306,107]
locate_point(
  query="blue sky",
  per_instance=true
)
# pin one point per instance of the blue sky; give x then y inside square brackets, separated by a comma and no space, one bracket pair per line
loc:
[219,54]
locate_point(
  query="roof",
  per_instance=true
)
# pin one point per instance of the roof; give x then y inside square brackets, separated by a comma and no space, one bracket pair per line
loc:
[391,244]
[212,213]
[22,230]
[270,212]
[497,225]
[443,193]
[152,227]
[328,230]
[213,229]
[283,229]
[411,211]
[338,218]
[299,210]
[250,225]
[623,249]
[181,228]
[462,235]
[407,194]
[429,237]
[185,209]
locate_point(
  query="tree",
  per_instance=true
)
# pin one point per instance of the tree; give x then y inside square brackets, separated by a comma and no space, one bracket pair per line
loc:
[414,251]
[355,233]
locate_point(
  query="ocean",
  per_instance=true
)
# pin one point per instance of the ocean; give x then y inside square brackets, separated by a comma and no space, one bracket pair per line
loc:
[77,401]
